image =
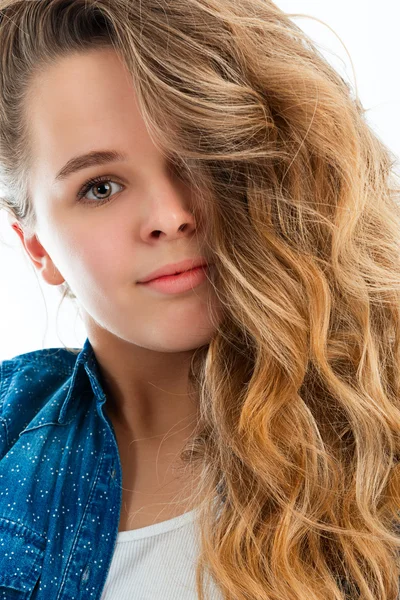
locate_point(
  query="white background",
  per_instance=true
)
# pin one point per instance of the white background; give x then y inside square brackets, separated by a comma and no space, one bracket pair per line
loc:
[370,32]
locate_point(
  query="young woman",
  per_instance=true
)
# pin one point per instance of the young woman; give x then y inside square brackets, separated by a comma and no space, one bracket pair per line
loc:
[240,419]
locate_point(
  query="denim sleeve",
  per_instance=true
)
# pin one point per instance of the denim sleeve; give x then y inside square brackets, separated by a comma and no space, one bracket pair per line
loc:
[4,368]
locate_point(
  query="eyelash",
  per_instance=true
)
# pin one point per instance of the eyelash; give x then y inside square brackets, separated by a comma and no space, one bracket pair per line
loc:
[87,186]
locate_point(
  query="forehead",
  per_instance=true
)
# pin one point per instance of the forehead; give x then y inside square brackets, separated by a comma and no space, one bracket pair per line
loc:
[82,103]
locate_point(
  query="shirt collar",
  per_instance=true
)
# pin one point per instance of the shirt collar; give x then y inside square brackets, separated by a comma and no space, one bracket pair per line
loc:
[85,377]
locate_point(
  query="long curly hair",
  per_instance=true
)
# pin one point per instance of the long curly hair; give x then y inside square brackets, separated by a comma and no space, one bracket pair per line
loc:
[298,435]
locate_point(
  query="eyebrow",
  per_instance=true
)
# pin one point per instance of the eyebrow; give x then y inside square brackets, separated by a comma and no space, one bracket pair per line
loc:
[91,159]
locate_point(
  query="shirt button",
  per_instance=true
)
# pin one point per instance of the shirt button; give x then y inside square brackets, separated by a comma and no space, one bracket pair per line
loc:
[113,473]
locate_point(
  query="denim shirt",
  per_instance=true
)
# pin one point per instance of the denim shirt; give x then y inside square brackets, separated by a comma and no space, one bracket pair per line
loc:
[60,477]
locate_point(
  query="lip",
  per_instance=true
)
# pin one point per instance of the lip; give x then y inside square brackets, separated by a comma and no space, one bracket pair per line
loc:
[178,284]
[173,268]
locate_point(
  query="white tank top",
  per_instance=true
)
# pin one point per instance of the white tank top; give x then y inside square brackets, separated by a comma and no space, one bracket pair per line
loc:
[157,562]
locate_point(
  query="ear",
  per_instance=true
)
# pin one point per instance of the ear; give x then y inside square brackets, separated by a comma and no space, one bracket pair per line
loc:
[37,255]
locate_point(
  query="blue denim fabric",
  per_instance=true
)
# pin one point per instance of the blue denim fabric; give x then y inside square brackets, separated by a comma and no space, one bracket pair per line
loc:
[60,477]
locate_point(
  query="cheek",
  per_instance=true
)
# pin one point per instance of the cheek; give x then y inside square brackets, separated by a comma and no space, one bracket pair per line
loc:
[97,251]
[95,259]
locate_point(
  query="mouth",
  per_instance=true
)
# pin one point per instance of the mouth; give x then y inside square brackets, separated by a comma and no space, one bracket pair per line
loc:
[179,282]
[175,269]
[177,273]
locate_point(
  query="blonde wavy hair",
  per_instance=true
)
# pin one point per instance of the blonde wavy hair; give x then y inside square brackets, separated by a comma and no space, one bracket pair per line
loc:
[299,388]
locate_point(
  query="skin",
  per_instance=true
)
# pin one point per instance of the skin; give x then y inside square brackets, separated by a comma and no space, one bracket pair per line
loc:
[143,340]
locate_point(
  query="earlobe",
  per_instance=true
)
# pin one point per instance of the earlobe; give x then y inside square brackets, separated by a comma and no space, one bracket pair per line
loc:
[38,256]
[49,271]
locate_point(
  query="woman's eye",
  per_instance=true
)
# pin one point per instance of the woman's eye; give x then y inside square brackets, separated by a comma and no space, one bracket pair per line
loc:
[102,191]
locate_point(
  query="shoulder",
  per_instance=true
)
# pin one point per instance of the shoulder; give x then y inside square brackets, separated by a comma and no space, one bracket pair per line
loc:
[29,381]
[30,367]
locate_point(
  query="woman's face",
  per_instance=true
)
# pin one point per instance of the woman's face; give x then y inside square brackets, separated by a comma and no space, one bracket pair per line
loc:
[102,248]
